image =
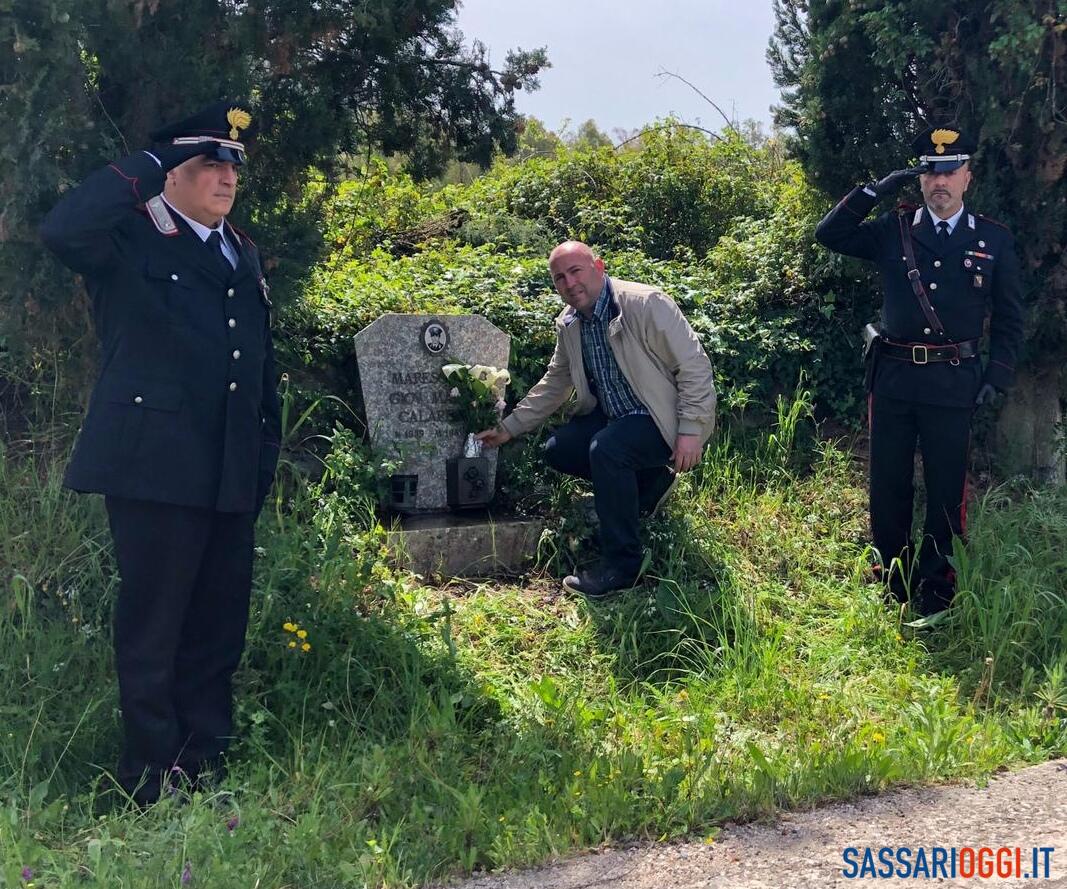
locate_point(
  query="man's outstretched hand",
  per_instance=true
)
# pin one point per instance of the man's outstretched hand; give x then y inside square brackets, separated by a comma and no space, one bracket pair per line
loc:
[494,438]
[687,450]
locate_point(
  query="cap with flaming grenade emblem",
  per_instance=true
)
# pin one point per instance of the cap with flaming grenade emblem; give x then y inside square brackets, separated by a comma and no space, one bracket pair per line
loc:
[228,122]
[943,149]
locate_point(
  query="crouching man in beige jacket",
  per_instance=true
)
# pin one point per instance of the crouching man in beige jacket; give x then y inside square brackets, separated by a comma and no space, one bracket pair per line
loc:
[645,405]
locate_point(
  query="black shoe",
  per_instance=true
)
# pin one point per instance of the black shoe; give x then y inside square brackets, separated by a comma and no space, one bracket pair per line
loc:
[933,597]
[208,776]
[653,496]
[155,785]
[599,583]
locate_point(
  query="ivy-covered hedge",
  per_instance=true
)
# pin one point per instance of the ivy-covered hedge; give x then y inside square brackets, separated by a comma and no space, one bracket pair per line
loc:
[725,228]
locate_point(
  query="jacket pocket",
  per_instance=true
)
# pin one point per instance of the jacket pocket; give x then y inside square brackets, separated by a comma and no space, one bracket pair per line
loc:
[162,268]
[132,403]
[171,284]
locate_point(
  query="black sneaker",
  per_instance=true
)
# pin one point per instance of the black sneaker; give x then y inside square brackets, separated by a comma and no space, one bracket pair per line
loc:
[652,497]
[599,583]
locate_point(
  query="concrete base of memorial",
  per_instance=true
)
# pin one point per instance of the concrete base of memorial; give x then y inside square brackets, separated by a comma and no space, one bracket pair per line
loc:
[465,545]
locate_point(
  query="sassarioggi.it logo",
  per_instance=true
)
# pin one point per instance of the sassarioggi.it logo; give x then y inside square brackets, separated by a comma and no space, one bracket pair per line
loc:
[948,862]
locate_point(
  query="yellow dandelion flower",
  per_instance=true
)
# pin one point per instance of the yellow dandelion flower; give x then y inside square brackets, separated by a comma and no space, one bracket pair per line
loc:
[877,737]
[289,627]
[306,646]
[302,634]
[292,645]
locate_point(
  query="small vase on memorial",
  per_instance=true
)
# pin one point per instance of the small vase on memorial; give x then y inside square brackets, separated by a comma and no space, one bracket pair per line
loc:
[477,398]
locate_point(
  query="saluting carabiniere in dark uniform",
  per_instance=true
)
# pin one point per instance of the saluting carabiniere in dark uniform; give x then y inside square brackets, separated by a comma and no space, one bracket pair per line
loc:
[944,268]
[182,432]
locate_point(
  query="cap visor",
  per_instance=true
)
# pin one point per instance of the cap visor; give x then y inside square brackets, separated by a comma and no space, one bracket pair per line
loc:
[944,166]
[230,156]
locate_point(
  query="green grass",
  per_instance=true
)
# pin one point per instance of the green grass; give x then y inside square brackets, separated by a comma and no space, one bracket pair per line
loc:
[436,730]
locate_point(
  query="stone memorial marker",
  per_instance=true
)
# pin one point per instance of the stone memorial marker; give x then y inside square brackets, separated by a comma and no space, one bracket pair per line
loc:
[406,397]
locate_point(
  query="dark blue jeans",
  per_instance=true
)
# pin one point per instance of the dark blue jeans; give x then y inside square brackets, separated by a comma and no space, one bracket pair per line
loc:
[620,457]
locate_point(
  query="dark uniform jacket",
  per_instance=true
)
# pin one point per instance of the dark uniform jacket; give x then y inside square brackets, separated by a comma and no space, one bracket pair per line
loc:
[185,410]
[977,270]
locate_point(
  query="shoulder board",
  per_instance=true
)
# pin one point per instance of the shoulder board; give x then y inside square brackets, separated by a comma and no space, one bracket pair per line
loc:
[240,233]
[159,213]
[994,221]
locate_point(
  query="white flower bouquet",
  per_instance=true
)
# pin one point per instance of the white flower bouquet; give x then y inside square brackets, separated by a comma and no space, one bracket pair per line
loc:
[477,394]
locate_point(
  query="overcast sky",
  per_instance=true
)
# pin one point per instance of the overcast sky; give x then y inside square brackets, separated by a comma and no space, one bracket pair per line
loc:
[605,57]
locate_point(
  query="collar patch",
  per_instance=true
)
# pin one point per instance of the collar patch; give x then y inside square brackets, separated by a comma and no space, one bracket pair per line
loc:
[159,213]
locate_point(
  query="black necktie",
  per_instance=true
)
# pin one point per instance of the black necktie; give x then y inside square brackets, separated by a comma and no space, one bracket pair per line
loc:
[214,244]
[942,231]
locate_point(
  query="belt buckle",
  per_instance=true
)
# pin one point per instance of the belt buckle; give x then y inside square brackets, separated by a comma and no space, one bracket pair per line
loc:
[917,351]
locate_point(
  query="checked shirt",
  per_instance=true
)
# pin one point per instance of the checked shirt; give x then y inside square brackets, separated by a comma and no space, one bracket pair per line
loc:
[608,384]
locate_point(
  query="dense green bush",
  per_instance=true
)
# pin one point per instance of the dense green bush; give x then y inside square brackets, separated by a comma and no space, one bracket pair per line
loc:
[723,227]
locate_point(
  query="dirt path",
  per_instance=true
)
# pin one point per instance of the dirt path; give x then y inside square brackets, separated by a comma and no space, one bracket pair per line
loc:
[803,850]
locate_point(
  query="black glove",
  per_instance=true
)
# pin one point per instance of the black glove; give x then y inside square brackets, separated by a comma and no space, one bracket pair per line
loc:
[895,181]
[170,156]
[987,394]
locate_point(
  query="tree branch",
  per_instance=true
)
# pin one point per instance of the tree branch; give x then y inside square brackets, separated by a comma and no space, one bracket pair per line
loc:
[667,126]
[480,67]
[665,73]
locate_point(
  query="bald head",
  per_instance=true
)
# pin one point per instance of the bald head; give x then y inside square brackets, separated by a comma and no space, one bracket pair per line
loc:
[573,249]
[578,275]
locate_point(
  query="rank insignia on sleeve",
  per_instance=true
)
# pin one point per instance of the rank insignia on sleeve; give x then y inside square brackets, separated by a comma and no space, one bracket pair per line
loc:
[159,213]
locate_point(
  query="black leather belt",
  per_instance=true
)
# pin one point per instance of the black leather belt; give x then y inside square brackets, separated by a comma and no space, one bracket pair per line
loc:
[927,353]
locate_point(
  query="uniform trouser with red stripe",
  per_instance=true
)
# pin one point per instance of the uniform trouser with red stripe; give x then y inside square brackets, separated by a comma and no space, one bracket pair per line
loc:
[943,437]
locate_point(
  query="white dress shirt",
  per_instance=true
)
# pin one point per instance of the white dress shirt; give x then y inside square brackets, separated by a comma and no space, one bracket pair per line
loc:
[204,232]
[952,220]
